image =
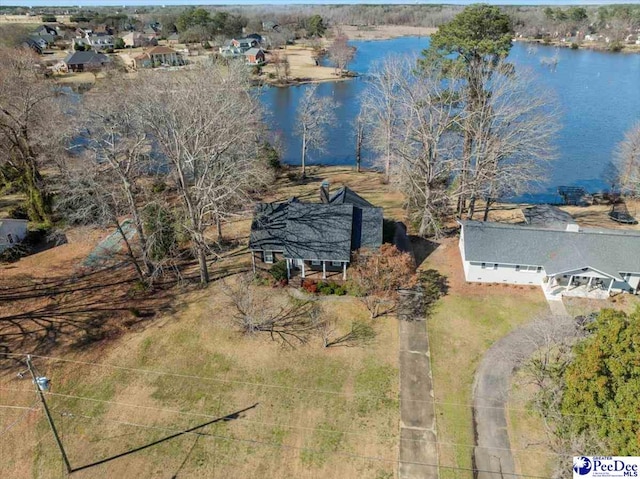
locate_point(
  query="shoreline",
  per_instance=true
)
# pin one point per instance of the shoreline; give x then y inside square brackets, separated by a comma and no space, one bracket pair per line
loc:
[593,46]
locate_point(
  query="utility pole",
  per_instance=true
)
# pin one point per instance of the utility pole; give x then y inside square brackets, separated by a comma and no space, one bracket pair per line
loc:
[48,414]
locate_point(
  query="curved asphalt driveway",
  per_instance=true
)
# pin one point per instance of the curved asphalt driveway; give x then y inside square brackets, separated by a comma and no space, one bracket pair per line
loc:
[491,390]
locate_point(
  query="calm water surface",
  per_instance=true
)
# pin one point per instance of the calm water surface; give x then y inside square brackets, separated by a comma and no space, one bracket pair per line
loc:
[599,96]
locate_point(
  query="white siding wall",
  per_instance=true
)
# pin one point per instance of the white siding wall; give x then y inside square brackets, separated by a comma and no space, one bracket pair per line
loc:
[503,274]
[16,228]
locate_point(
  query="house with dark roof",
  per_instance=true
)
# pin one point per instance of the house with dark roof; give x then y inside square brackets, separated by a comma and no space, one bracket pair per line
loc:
[315,237]
[569,261]
[244,44]
[83,61]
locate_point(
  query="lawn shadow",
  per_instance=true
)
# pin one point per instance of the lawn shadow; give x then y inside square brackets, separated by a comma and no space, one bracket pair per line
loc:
[422,248]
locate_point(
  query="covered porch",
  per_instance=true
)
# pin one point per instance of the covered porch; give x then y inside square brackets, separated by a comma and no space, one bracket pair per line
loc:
[317,269]
[584,283]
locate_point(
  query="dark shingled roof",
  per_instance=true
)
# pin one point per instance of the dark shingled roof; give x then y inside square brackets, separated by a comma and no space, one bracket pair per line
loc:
[319,232]
[269,226]
[82,58]
[607,251]
[346,195]
[367,219]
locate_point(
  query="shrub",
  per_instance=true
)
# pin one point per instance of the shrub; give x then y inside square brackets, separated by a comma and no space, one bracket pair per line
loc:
[615,47]
[119,43]
[310,286]
[574,46]
[19,213]
[279,271]
[271,76]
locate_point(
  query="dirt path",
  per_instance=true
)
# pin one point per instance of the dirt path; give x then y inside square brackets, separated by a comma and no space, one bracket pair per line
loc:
[491,391]
[417,414]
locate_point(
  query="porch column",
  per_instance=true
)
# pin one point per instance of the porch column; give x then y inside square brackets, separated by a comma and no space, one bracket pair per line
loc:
[253,261]
[570,281]
[610,286]
[589,283]
[324,270]
[302,268]
[344,270]
[550,280]
[288,269]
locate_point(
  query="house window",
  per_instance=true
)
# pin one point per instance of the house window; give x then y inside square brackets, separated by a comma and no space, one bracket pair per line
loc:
[268,256]
[539,269]
[484,265]
[495,266]
[10,238]
[336,263]
[517,267]
[315,262]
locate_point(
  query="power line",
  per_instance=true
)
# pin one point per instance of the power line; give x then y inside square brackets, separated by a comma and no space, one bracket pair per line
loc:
[11,406]
[306,449]
[250,421]
[21,418]
[321,391]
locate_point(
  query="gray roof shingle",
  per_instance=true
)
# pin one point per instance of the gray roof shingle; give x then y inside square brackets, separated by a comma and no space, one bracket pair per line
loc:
[83,58]
[347,195]
[319,232]
[607,251]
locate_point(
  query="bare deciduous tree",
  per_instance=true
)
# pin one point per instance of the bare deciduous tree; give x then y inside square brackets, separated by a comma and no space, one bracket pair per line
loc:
[118,161]
[31,128]
[628,161]
[417,115]
[377,275]
[314,114]
[257,310]
[207,124]
[511,137]
[340,52]
[379,104]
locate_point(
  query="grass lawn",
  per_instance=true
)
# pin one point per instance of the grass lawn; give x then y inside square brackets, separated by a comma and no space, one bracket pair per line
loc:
[317,408]
[464,324]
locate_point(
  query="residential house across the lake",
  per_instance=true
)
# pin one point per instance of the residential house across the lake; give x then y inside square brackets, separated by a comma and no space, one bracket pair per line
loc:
[315,239]
[244,44]
[12,232]
[158,56]
[137,39]
[255,56]
[84,61]
[569,261]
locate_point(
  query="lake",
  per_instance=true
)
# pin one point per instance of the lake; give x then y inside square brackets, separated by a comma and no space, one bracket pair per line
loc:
[598,94]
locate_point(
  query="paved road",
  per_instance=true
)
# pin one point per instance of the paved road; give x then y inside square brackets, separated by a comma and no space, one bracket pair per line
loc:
[417,414]
[491,390]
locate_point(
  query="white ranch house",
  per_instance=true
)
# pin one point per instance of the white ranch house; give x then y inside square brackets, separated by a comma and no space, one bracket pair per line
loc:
[12,232]
[568,261]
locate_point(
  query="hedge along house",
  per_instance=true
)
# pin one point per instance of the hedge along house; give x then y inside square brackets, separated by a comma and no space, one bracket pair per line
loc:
[12,232]
[565,262]
[315,239]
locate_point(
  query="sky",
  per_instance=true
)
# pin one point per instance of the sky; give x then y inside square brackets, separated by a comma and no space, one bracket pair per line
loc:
[56,3]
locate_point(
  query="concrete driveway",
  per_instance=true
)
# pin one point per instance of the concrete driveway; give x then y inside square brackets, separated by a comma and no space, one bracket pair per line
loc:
[418,451]
[492,454]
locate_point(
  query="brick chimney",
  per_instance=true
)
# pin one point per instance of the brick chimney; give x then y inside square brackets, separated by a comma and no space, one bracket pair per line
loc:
[324,192]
